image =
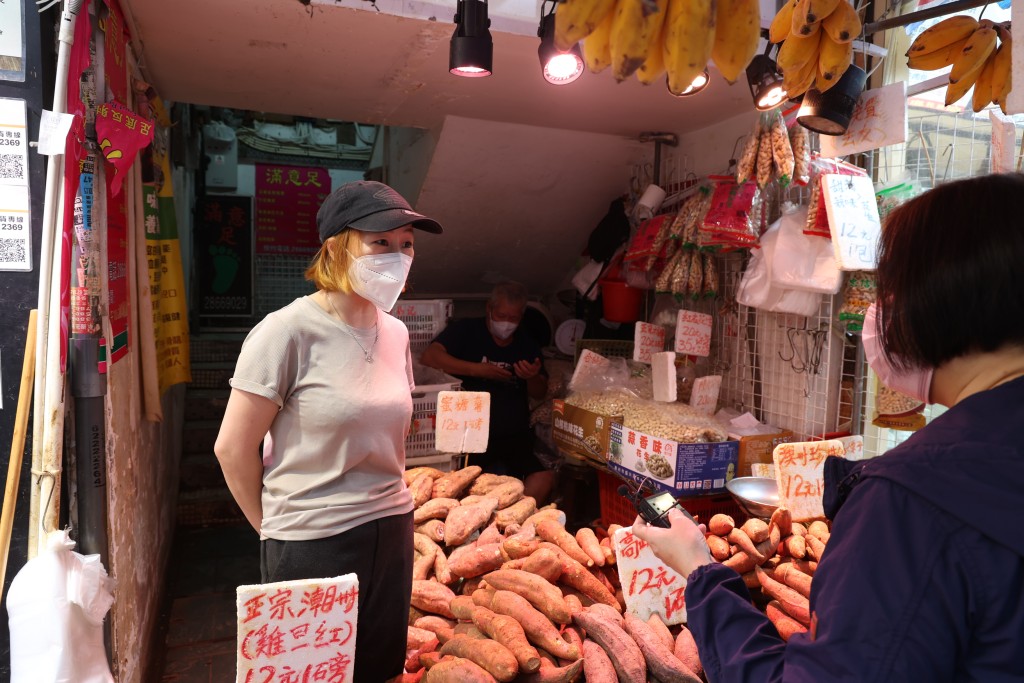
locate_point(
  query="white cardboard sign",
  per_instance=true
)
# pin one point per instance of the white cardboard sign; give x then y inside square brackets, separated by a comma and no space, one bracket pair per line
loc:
[800,475]
[693,333]
[297,630]
[852,219]
[854,446]
[588,364]
[1004,142]
[648,340]
[463,421]
[648,586]
[704,396]
[879,119]
[1015,100]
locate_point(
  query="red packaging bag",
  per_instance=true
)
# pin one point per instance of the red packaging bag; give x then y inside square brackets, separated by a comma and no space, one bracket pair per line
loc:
[730,220]
[817,213]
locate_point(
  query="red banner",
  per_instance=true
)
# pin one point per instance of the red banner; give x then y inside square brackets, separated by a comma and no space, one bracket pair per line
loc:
[287,199]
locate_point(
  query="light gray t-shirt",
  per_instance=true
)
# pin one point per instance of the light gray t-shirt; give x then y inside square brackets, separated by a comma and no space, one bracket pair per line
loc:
[335,453]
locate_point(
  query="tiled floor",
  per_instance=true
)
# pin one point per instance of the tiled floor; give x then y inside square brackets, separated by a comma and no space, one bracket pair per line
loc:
[207,565]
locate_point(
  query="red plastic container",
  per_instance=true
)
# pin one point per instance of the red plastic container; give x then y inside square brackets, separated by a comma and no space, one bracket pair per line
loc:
[622,303]
[616,509]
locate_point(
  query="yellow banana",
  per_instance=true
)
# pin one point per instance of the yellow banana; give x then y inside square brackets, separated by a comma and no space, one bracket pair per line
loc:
[689,36]
[737,33]
[817,10]
[654,66]
[939,59]
[978,48]
[956,90]
[597,48]
[782,23]
[1001,69]
[982,96]
[944,33]
[800,26]
[833,60]
[797,51]
[633,28]
[798,81]
[577,19]
[844,24]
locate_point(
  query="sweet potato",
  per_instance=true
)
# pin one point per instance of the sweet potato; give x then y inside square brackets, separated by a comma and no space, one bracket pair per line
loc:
[436,508]
[574,636]
[414,614]
[553,532]
[606,548]
[469,630]
[622,650]
[522,543]
[423,565]
[491,655]
[570,592]
[457,669]
[417,638]
[516,513]
[433,597]
[410,475]
[462,607]
[798,529]
[540,593]
[721,525]
[509,632]
[452,484]
[476,560]
[612,575]
[429,659]
[432,529]
[607,612]
[544,563]
[549,673]
[470,585]
[786,625]
[439,626]
[796,546]
[718,546]
[685,651]
[815,548]
[756,529]
[462,521]
[508,493]
[597,666]
[819,530]
[612,528]
[421,489]
[409,677]
[794,604]
[783,519]
[737,536]
[424,545]
[741,562]
[573,602]
[538,628]
[490,535]
[579,577]
[660,660]
[603,577]
[591,546]
[484,596]
[546,513]
[794,578]
[806,566]
[750,580]
[484,483]
[659,629]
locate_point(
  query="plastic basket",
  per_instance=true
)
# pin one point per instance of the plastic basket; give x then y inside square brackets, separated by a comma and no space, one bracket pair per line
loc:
[609,348]
[424,319]
[617,509]
[424,413]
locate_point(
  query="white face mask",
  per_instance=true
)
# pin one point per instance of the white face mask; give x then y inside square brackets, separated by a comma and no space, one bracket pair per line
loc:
[502,330]
[914,382]
[379,278]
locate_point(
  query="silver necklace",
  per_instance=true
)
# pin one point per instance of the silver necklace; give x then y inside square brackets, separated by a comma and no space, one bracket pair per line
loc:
[368,354]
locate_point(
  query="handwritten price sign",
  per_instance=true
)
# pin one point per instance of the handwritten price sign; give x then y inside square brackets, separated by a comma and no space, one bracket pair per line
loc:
[463,421]
[693,333]
[879,119]
[589,364]
[648,340]
[853,220]
[647,584]
[297,630]
[800,474]
[704,396]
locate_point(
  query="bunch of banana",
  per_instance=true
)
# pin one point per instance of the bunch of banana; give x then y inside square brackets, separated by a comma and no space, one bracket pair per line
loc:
[817,42]
[689,37]
[978,51]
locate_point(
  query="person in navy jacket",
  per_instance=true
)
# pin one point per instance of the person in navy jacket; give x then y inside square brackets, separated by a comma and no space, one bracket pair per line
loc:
[923,575]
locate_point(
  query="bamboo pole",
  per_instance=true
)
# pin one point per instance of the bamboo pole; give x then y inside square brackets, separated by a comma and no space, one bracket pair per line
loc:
[17,445]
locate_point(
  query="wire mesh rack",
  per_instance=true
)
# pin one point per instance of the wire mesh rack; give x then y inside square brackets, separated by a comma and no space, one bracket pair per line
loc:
[279,281]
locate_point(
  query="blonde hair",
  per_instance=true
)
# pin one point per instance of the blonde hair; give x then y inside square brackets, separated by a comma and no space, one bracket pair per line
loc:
[329,268]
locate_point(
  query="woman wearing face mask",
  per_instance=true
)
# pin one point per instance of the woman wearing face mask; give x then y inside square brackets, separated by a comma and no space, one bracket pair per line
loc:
[922,576]
[325,383]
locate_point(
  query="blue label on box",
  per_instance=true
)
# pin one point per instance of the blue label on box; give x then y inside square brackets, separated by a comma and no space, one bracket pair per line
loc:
[681,469]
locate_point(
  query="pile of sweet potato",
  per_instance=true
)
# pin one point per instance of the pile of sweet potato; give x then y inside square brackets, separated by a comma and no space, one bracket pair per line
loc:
[503,592]
[777,557]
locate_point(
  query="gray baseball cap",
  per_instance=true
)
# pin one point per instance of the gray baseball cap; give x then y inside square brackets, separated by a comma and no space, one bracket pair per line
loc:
[371,207]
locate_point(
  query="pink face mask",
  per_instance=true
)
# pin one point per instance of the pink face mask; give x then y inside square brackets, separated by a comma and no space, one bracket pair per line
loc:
[915,382]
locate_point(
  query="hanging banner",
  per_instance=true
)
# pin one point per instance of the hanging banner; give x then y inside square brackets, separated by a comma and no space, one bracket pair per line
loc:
[287,199]
[224,255]
[115,70]
[119,304]
[121,134]
[86,286]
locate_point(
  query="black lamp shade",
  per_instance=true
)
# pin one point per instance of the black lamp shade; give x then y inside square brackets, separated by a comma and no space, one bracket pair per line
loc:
[471,52]
[765,83]
[829,112]
[557,67]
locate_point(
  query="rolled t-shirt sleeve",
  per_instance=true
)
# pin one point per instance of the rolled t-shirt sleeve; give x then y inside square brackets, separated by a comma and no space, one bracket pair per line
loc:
[268,363]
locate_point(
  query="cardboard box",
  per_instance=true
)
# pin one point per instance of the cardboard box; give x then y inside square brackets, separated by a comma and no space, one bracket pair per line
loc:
[685,469]
[581,432]
[758,448]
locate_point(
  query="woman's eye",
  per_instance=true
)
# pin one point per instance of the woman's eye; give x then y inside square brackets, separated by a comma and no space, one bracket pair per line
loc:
[407,245]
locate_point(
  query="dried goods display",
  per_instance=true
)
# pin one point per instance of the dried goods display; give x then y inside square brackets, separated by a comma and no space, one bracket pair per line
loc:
[769,153]
[817,43]
[674,421]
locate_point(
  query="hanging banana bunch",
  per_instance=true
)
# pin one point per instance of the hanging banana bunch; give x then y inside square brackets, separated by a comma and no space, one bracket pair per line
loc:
[689,37]
[978,51]
[817,42]
[577,19]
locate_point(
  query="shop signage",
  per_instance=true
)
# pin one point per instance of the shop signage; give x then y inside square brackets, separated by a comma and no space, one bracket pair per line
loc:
[223,255]
[648,340]
[693,333]
[704,396]
[287,199]
[879,119]
[852,220]
[800,474]
[297,630]
[686,469]
[1004,139]
[648,585]
[463,421]
[15,221]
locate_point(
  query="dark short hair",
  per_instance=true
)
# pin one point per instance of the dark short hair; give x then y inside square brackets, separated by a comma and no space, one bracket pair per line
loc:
[949,272]
[509,292]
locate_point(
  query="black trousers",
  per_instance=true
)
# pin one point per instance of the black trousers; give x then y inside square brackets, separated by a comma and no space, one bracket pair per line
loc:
[381,554]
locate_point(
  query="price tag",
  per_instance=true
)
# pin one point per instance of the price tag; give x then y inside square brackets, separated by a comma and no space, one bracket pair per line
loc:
[704,396]
[589,364]
[1004,138]
[800,474]
[693,333]
[648,340]
[854,446]
[852,219]
[1015,100]
[648,586]
[297,630]
[879,119]
[463,421]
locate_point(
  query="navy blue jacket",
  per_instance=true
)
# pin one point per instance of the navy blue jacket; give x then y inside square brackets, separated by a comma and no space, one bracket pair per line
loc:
[923,575]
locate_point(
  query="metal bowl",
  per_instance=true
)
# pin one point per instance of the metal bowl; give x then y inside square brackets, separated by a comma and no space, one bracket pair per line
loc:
[757,496]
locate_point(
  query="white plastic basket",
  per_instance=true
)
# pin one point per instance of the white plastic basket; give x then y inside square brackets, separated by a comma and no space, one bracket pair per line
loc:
[425,318]
[424,413]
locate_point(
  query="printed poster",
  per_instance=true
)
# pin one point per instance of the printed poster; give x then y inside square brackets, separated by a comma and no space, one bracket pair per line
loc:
[223,255]
[287,199]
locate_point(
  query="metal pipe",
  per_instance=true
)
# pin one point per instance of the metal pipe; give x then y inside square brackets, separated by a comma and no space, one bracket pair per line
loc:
[921,15]
[88,387]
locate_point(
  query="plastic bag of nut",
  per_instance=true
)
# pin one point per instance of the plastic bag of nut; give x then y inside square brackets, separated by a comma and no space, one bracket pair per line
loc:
[672,421]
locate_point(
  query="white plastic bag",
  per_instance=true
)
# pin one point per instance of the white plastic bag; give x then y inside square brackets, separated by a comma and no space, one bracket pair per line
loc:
[757,290]
[56,606]
[803,261]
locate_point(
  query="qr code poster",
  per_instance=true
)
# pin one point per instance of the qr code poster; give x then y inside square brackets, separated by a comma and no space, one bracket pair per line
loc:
[13,142]
[15,229]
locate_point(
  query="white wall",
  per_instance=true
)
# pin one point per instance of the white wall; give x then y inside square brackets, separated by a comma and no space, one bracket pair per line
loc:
[708,150]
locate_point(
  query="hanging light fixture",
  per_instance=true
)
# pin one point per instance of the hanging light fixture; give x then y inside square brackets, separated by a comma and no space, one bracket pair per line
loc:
[829,112]
[696,85]
[765,82]
[558,68]
[471,50]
